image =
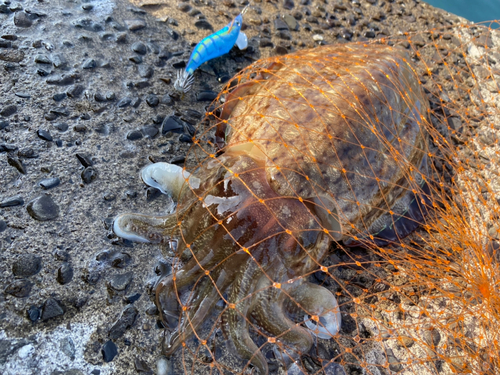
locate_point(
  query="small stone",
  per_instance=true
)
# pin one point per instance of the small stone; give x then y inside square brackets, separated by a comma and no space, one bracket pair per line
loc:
[59,61]
[3,125]
[51,309]
[34,313]
[134,135]
[44,134]
[62,127]
[27,153]
[22,19]
[152,100]
[265,42]
[432,337]
[3,225]
[89,64]
[132,298]
[12,202]
[62,80]
[186,138]
[291,22]
[27,265]
[124,102]
[64,274]
[203,24]
[109,351]
[126,320]
[84,160]
[89,174]
[150,131]
[145,71]
[280,24]
[19,288]
[136,59]
[206,96]
[67,346]
[172,124]
[60,96]
[141,366]
[139,48]
[134,25]
[16,163]
[42,59]
[50,183]
[8,110]
[43,208]
[75,91]
[120,282]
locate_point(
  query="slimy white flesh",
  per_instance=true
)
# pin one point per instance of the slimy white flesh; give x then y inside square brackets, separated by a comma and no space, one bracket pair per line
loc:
[168,178]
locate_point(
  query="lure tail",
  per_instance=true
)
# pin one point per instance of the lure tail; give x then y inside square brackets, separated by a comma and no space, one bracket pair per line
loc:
[184,81]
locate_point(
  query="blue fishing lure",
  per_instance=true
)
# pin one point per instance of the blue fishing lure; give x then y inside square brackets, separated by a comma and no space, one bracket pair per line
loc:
[214,45]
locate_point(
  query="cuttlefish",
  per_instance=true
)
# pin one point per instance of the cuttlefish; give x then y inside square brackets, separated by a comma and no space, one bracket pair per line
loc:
[320,147]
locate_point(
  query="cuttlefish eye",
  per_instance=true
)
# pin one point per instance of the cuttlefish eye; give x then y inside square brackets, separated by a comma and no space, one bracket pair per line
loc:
[238,23]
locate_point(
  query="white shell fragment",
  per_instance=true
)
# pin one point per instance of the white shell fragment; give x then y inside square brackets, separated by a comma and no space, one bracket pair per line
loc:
[169,178]
[242,41]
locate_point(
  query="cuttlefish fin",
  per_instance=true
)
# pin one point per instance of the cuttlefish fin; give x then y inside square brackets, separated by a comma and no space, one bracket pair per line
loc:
[242,41]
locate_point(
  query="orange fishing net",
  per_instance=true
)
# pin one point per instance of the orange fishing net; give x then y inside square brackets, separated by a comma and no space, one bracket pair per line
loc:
[428,303]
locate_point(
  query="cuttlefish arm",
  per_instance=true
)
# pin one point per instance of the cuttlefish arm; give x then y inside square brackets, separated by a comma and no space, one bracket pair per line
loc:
[170,179]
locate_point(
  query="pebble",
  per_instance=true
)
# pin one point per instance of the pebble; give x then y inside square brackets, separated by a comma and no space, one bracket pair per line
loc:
[64,274]
[134,135]
[134,25]
[27,265]
[89,174]
[44,134]
[75,91]
[84,160]
[8,110]
[120,282]
[60,96]
[136,59]
[12,202]
[172,124]
[33,313]
[51,309]
[140,48]
[109,351]
[43,208]
[42,59]
[16,163]
[132,298]
[59,61]
[27,153]
[19,288]
[124,102]
[50,183]
[22,19]
[7,148]
[150,131]
[62,80]
[432,337]
[124,322]
[67,346]
[152,100]
[3,125]
[141,366]
[89,64]
[145,71]
[3,225]
[203,24]
[206,96]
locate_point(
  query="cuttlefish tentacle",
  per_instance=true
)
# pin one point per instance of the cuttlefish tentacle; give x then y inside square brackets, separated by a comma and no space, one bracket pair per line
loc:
[322,313]
[198,308]
[270,314]
[235,317]
[145,228]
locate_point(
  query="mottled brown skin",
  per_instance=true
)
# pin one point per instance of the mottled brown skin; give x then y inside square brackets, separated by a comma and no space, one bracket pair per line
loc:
[319,146]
